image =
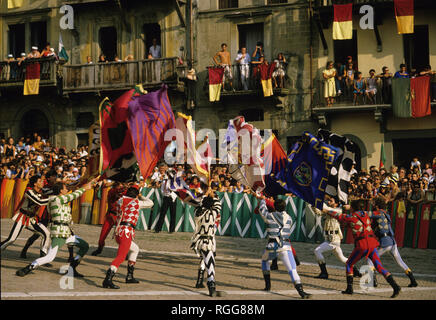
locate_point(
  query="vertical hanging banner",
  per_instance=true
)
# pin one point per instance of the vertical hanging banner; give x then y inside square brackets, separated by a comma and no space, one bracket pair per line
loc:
[432,229]
[31,83]
[215,83]
[420,96]
[343,21]
[266,71]
[400,223]
[424,226]
[404,14]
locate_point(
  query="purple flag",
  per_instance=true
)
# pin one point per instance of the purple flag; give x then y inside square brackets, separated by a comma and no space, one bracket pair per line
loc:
[150,116]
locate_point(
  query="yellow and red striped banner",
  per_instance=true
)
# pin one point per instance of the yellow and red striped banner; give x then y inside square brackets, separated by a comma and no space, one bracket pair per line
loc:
[404,14]
[216,75]
[31,83]
[7,203]
[343,21]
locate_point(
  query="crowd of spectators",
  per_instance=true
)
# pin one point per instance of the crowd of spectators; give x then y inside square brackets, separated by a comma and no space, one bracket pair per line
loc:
[34,155]
[415,184]
[345,80]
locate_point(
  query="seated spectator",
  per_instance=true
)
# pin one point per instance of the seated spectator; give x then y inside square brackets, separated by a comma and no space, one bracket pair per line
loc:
[279,71]
[348,75]
[402,73]
[329,74]
[34,53]
[243,59]
[359,87]
[386,78]
[155,50]
[371,86]
[432,74]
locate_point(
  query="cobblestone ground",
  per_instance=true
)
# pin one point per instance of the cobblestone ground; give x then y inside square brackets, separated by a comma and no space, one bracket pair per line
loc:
[167,270]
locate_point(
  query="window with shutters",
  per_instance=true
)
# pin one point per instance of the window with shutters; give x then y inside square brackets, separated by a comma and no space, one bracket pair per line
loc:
[226,4]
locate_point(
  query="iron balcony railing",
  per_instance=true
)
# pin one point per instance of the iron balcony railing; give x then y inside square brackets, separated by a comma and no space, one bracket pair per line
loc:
[328,3]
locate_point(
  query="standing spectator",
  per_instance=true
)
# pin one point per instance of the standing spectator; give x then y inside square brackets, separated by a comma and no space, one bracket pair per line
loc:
[415,163]
[430,194]
[432,74]
[244,60]
[339,79]
[46,51]
[386,78]
[428,169]
[38,144]
[34,53]
[102,58]
[155,50]
[89,60]
[402,73]
[329,83]
[9,148]
[416,195]
[371,89]
[258,52]
[226,63]
[279,71]
[359,87]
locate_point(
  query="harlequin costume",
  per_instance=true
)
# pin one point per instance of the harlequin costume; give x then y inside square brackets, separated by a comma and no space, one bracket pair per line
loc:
[27,217]
[61,233]
[385,234]
[111,216]
[332,236]
[365,246]
[278,228]
[270,206]
[128,213]
[206,218]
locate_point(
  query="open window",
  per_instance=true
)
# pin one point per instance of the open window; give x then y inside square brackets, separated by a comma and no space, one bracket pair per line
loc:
[226,4]
[249,35]
[416,48]
[344,48]
[16,39]
[38,34]
[107,39]
[151,31]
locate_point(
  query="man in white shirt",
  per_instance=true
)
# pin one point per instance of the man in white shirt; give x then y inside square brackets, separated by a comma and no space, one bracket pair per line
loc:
[244,60]
[155,50]
[168,201]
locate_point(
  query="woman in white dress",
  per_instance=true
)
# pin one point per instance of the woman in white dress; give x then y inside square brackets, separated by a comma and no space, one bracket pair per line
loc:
[329,83]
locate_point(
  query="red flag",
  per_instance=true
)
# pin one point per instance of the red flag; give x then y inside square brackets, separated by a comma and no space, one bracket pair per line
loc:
[266,71]
[404,14]
[420,96]
[31,83]
[343,21]
[215,83]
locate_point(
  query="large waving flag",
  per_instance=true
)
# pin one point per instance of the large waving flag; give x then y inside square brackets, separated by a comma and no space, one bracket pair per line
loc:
[150,116]
[404,13]
[62,52]
[274,159]
[94,159]
[200,163]
[178,185]
[343,21]
[307,169]
[31,83]
[248,168]
[118,157]
[266,71]
[215,83]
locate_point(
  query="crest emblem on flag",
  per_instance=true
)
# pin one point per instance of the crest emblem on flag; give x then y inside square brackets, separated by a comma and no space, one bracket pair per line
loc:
[303,174]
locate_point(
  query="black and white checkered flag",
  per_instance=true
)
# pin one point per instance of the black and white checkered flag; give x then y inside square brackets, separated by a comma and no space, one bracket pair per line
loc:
[340,173]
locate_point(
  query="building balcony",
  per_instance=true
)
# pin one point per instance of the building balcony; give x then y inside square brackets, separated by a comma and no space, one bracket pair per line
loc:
[123,75]
[13,75]
[329,3]
[254,87]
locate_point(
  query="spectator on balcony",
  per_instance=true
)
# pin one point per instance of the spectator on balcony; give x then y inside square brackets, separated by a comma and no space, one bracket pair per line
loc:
[258,52]
[349,76]
[46,51]
[359,87]
[155,50]
[386,78]
[339,79]
[102,58]
[432,74]
[243,58]
[89,60]
[226,63]
[129,57]
[329,83]
[21,58]
[34,53]
[371,86]
[117,59]
[402,73]
[10,58]
[279,71]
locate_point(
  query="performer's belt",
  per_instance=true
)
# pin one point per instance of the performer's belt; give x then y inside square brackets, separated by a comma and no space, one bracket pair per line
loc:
[27,213]
[206,237]
[274,240]
[331,232]
[361,238]
[127,224]
[381,235]
[60,223]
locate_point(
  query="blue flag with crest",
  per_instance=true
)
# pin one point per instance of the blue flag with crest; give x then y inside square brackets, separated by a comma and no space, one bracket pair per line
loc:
[307,169]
